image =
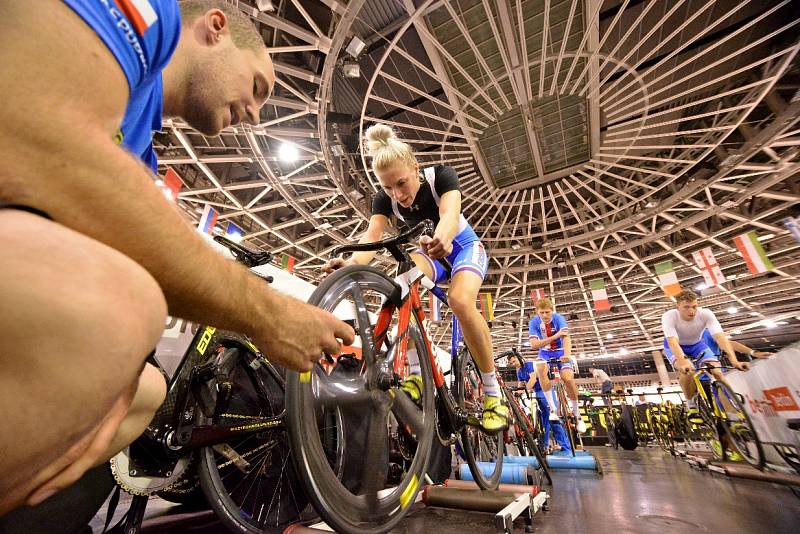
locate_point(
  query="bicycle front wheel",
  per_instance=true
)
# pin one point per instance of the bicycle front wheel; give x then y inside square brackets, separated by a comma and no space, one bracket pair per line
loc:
[349,419]
[484,452]
[530,444]
[737,424]
[566,415]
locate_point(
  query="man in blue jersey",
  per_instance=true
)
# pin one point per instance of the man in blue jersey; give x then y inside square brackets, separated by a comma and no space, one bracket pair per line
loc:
[527,374]
[93,254]
[549,333]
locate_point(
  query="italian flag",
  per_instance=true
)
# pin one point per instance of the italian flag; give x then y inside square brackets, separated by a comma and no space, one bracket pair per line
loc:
[487,310]
[287,262]
[599,295]
[667,278]
[753,253]
[704,258]
[537,294]
[435,309]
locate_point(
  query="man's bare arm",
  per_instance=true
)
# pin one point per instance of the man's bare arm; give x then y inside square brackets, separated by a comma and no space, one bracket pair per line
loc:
[64,97]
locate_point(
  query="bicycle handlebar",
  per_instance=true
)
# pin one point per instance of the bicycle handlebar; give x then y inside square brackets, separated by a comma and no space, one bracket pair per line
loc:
[423,228]
[505,354]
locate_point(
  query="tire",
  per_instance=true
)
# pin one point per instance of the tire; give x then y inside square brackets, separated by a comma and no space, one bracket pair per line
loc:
[477,445]
[626,430]
[742,434]
[369,508]
[529,442]
[266,496]
[566,416]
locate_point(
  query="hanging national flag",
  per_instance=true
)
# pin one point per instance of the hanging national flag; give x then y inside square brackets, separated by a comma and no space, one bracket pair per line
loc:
[233,232]
[287,263]
[753,253]
[537,294]
[667,278]
[793,225]
[435,309]
[599,295]
[705,259]
[487,310]
[207,220]
[172,183]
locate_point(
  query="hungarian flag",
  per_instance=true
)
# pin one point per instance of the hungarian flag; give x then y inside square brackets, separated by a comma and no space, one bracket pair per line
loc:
[537,294]
[705,259]
[667,278]
[487,310]
[233,232]
[207,220]
[287,263]
[753,253]
[172,183]
[435,309]
[793,225]
[599,295]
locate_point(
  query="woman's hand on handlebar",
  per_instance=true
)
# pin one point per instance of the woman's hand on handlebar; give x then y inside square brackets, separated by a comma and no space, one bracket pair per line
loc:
[436,247]
[336,263]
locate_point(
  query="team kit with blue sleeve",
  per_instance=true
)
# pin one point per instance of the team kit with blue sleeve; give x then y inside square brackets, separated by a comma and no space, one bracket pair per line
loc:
[142,36]
[541,330]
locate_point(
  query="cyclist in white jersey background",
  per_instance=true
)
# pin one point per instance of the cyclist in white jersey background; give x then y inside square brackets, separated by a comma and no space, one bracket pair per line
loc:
[412,196]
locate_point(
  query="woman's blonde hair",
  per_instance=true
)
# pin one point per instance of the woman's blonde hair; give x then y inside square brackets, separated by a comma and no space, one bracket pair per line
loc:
[386,149]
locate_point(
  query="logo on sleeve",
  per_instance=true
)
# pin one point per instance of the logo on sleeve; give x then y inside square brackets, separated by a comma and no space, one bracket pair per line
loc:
[139,12]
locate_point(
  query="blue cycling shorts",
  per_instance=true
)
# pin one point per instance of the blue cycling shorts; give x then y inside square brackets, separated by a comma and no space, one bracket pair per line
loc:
[698,354]
[468,255]
[551,355]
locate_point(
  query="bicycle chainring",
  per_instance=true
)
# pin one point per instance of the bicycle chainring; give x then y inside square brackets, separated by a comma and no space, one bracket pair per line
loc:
[140,483]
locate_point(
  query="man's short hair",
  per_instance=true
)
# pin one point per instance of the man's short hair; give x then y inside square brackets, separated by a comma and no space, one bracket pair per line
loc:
[544,304]
[687,295]
[243,31]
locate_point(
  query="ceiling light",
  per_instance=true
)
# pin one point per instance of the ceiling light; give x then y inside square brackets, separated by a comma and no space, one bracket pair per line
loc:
[599,227]
[609,336]
[623,351]
[325,226]
[288,153]
[700,287]
[732,310]
[515,246]
[755,314]
[355,47]
[265,5]
[765,237]
[350,69]
[769,323]
[160,182]
[650,204]
[581,355]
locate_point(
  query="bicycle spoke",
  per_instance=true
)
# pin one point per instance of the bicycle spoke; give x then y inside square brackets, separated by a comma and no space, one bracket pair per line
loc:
[364,324]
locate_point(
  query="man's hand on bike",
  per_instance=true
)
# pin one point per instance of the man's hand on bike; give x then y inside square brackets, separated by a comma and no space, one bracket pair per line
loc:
[302,333]
[436,247]
[761,354]
[336,263]
[742,366]
[683,365]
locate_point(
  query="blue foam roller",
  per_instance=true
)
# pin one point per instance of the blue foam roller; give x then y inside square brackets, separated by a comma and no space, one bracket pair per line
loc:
[571,462]
[522,460]
[511,473]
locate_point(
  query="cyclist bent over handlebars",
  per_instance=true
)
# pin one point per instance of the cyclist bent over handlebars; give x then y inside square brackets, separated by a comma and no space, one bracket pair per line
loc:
[413,197]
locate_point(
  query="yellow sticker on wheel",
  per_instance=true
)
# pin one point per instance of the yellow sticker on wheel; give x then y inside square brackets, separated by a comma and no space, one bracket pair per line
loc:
[409,492]
[305,378]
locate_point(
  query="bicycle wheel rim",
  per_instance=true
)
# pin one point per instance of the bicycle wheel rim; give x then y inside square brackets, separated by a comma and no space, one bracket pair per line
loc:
[532,447]
[343,508]
[743,437]
[477,445]
[269,495]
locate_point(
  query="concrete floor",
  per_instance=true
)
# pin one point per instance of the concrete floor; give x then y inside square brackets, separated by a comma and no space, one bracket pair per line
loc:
[643,491]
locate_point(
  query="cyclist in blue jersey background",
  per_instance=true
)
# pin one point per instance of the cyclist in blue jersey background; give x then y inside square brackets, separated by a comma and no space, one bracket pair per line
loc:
[412,195]
[549,334]
[527,375]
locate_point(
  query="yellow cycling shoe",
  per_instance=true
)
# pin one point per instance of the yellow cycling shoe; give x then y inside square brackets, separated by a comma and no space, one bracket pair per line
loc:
[412,386]
[733,456]
[495,414]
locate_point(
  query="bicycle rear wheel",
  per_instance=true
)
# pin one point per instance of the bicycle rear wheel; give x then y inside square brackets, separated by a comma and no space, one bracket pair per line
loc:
[566,416]
[477,445]
[358,496]
[529,442]
[250,482]
[737,424]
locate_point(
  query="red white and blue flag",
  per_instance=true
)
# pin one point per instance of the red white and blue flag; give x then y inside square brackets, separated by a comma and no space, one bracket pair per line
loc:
[207,220]
[139,13]
[234,232]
